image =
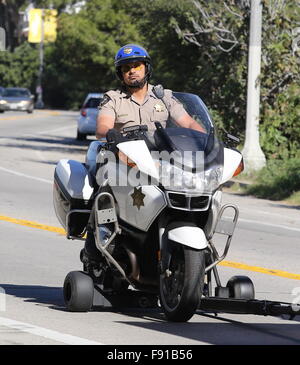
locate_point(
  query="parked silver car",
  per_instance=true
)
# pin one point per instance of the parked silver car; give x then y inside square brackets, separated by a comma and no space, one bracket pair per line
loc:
[86,122]
[16,98]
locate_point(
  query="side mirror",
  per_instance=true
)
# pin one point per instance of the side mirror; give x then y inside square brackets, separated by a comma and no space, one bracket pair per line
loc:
[230,140]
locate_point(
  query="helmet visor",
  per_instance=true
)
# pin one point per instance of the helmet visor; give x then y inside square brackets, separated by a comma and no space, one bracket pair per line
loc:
[136,66]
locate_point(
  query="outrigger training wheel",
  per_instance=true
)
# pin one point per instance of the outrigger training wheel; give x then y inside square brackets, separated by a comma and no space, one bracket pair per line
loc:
[78,291]
[241,287]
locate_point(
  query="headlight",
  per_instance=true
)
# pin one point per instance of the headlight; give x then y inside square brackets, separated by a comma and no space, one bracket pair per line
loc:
[24,102]
[3,102]
[213,178]
[177,179]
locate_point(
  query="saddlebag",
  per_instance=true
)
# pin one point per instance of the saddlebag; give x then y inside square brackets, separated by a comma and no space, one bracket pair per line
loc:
[72,196]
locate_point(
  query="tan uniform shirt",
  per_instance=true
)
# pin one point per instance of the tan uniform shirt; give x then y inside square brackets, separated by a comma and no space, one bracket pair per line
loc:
[128,112]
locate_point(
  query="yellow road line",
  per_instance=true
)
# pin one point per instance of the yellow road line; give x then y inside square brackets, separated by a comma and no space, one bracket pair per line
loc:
[235,265]
[15,117]
[262,270]
[26,223]
[51,112]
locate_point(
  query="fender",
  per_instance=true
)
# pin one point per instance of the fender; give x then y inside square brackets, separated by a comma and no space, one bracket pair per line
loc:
[190,235]
[184,233]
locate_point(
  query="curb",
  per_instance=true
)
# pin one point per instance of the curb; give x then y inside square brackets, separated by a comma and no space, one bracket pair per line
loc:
[239,184]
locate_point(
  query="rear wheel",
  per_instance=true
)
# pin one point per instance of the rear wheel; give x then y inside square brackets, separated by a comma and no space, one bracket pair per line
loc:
[78,291]
[181,285]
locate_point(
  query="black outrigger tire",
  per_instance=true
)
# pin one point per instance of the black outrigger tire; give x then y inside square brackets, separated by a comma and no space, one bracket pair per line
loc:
[241,287]
[78,291]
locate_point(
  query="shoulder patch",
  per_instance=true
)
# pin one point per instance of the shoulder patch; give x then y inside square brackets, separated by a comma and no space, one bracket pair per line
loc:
[104,101]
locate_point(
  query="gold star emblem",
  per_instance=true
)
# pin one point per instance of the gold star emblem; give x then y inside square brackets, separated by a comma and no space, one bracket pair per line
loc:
[127,50]
[138,197]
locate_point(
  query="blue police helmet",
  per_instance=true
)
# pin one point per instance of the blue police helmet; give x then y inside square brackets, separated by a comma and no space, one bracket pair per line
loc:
[131,53]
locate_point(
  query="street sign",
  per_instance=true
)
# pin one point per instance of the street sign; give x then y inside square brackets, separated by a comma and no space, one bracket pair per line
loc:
[42,25]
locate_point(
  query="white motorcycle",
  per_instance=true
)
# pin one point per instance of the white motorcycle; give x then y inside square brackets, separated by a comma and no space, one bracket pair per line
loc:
[153,204]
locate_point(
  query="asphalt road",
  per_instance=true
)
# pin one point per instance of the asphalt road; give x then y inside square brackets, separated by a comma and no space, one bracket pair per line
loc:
[34,261]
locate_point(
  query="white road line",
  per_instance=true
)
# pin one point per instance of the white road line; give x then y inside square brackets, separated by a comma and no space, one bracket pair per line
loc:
[24,175]
[245,211]
[47,131]
[44,332]
[268,224]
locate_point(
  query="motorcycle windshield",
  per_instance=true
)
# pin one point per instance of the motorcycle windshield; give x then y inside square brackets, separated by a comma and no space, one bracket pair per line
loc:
[190,160]
[196,108]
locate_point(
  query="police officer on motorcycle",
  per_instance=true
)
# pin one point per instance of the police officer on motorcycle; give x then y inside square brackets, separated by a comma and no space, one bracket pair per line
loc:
[135,102]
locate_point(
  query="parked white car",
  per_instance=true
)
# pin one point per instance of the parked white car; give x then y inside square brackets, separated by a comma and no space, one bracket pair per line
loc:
[86,122]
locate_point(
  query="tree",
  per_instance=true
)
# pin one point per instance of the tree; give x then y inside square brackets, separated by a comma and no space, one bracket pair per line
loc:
[81,59]
[221,32]
[19,68]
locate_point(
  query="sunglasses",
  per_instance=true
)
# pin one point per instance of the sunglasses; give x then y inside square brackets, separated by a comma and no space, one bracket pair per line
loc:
[136,66]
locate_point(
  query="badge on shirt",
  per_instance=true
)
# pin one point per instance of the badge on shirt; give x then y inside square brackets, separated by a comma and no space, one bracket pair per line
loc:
[158,108]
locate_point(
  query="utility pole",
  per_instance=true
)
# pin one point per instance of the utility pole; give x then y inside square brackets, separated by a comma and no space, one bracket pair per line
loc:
[42,29]
[39,88]
[2,39]
[253,155]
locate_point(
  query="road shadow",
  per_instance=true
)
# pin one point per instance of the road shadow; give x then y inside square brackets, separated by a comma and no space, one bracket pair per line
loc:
[56,144]
[220,330]
[51,296]
[44,162]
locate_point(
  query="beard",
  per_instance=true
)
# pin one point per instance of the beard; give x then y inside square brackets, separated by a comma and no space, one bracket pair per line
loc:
[137,84]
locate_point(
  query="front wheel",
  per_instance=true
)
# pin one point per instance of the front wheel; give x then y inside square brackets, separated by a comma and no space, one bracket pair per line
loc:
[181,285]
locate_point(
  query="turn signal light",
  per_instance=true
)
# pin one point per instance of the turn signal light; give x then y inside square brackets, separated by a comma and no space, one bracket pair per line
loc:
[239,169]
[83,112]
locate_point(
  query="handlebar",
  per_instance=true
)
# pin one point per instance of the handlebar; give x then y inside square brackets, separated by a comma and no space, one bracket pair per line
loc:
[136,132]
